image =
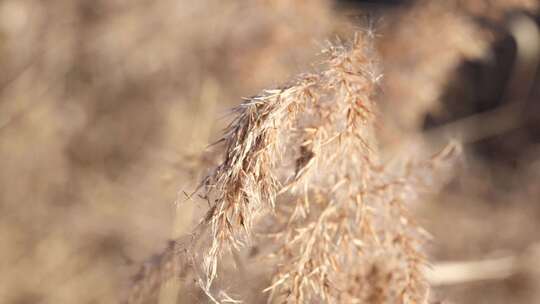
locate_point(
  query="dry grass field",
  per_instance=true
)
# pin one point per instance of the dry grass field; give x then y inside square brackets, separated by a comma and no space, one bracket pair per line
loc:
[269,151]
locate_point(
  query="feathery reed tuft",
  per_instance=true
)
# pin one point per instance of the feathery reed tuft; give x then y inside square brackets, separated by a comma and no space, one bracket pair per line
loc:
[304,157]
[301,178]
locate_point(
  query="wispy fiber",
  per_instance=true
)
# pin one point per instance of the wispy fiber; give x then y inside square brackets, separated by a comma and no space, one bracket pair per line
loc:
[304,158]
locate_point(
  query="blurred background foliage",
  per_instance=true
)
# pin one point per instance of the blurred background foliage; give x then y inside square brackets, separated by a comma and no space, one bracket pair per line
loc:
[106,108]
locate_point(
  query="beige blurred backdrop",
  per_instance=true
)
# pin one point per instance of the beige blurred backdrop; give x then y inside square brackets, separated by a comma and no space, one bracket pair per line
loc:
[107,107]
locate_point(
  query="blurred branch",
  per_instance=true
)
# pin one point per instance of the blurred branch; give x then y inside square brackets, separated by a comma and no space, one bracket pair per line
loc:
[479,126]
[451,273]
[462,272]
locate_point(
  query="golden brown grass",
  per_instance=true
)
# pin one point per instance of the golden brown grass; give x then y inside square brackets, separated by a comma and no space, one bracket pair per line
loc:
[301,178]
[105,107]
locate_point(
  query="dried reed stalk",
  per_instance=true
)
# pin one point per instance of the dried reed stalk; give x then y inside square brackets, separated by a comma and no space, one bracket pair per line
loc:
[306,154]
[301,176]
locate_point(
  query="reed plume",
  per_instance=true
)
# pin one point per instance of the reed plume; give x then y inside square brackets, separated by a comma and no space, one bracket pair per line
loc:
[301,178]
[304,158]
